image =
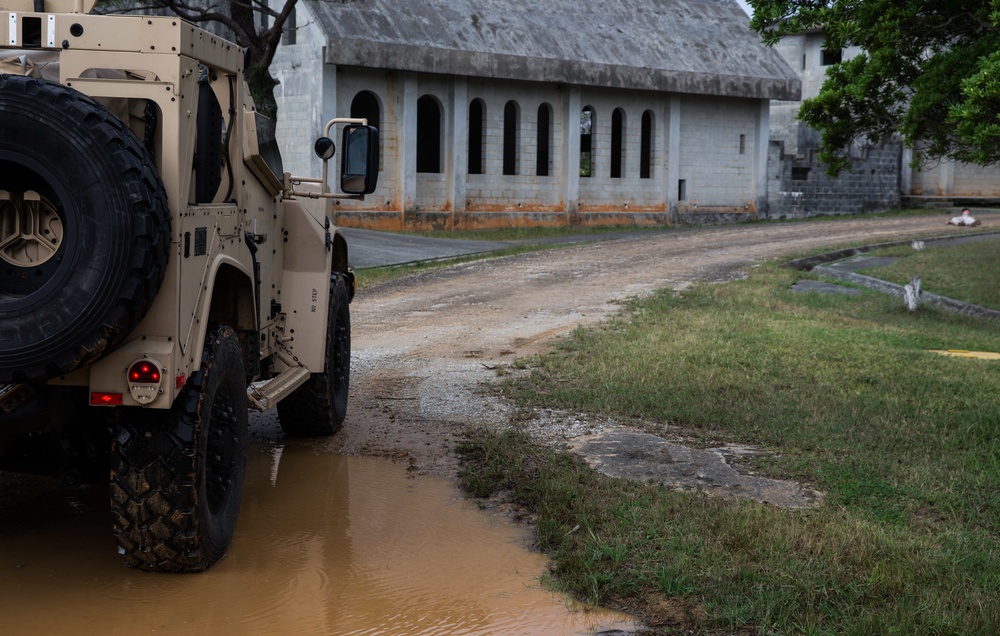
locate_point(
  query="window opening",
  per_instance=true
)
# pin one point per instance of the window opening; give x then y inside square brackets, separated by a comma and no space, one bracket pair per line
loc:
[617,143]
[289,30]
[428,135]
[544,141]
[586,141]
[365,105]
[832,57]
[646,146]
[510,131]
[477,115]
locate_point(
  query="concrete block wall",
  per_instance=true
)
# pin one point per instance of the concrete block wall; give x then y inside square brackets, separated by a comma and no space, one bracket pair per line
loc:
[299,71]
[601,191]
[799,186]
[976,181]
[495,191]
[951,178]
[350,83]
[715,171]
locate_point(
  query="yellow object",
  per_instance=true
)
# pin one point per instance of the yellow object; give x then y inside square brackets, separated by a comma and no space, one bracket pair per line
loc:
[959,353]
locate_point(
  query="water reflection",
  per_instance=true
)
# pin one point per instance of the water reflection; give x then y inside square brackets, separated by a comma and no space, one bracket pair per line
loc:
[325,545]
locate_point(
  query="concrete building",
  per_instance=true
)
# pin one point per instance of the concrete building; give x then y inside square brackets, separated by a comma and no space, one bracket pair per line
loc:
[510,112]
[798,184]
[883,176]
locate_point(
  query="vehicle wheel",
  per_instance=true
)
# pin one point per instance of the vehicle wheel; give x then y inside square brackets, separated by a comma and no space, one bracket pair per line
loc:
[177,475]
[319,406]
[84,229]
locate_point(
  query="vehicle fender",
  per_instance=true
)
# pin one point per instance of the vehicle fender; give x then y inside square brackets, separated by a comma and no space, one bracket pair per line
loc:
[305,280]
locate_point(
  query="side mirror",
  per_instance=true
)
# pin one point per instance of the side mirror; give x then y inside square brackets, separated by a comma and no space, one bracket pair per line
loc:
[324,148]
[359,166]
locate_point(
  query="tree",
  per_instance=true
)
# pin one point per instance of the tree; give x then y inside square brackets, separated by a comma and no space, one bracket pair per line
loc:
[242,18]
[930,72]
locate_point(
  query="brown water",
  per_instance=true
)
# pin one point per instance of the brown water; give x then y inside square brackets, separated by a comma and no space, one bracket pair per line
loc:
[325,545]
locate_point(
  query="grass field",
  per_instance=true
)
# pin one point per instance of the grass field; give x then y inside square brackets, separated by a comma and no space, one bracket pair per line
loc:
[957,271]
[843,390]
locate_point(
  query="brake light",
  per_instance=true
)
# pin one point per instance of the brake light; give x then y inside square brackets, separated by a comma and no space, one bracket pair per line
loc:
[144,373]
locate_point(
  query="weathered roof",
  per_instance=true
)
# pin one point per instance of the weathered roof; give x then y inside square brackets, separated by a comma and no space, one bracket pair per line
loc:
[687,46]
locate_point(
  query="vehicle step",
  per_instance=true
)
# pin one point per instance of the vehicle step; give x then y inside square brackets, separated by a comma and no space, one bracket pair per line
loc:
[264,395]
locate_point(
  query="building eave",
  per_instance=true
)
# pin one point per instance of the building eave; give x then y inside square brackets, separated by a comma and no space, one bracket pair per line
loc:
[413,58]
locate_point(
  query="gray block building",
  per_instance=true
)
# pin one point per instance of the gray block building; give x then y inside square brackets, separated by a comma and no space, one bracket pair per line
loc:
[511,112]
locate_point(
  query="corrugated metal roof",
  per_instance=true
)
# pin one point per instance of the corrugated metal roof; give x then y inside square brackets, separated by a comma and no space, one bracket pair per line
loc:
[689,46]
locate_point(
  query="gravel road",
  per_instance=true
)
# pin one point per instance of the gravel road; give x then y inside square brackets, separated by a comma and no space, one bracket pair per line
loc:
[422,345]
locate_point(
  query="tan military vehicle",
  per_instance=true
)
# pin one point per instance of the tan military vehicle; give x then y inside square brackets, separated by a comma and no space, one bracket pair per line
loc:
[159,274]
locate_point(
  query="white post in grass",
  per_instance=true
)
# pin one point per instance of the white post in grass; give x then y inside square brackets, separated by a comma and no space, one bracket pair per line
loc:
[911,294]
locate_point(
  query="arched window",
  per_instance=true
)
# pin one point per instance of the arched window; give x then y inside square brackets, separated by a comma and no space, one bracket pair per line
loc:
[477,128]
[587,119]
[617,143]
[646,146]
[428,134]
[510,137]
[544,141]
[365,105]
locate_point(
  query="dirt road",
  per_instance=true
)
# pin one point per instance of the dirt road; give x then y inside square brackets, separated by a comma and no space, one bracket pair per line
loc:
[422,345]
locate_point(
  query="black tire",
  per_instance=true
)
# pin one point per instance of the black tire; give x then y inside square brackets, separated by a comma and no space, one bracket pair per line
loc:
[177,475]
[318,407]
[73,289]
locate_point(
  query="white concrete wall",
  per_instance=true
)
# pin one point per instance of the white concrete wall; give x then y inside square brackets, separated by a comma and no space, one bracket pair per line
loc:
[950,178]
[350,82]
[629,191]
[715,172]
[804,54]
[302,113]
[494,190]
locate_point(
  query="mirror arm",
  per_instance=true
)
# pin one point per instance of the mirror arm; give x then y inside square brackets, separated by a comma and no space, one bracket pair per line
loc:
[342,120]
[290,182]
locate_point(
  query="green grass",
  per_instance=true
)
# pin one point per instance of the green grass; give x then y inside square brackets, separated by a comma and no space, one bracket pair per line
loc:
[905,444]
[955,271]
[370,276]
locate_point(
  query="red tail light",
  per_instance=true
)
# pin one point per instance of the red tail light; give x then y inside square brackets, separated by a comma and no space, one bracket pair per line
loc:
[145,378]
[144,372]
[106,399]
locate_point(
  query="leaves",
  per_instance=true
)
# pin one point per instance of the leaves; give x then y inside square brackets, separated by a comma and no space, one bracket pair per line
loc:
[930,72]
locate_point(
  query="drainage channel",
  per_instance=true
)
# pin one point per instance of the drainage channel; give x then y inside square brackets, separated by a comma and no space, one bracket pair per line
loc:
[326,544]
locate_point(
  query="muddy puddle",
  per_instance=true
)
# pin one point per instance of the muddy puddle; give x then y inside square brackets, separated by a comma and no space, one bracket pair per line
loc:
[326,544]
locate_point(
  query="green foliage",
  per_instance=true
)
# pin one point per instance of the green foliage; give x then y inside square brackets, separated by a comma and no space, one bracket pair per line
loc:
[261,85]
[930,71]
[977,119]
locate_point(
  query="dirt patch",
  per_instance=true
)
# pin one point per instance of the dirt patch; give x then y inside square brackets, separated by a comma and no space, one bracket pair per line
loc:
[424,345]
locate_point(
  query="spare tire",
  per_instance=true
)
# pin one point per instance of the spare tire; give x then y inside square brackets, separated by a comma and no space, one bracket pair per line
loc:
[84,230]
